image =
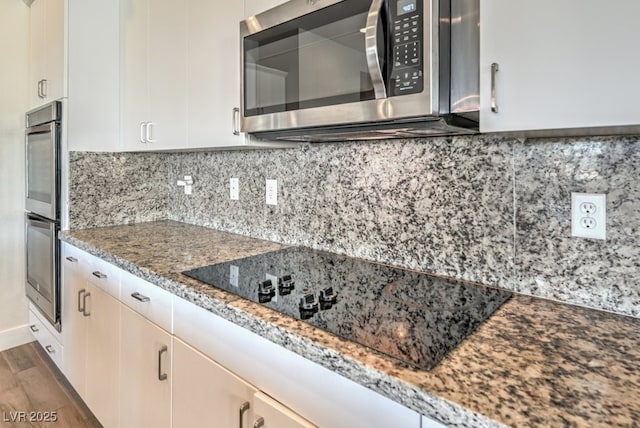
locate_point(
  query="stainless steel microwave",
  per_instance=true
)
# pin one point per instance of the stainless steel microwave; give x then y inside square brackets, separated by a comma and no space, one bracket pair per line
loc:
[334,70]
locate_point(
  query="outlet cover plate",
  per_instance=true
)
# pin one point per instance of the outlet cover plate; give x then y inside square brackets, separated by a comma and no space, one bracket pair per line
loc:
[234,275]
[234,189]
[272,192]
[589,215]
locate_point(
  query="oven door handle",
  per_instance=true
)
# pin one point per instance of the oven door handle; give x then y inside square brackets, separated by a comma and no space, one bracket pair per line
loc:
[42,129]
[39,223]
[372,49]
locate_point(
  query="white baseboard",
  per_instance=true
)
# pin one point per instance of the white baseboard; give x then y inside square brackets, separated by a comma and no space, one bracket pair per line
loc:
[15,337]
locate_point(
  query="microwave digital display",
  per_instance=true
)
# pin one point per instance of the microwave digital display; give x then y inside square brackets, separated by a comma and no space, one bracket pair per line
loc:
[406,6]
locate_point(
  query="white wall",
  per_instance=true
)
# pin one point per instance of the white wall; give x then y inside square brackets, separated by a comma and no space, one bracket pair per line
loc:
[14,45]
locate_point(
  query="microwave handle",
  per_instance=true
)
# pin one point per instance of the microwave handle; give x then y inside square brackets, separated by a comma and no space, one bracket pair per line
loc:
[371,49]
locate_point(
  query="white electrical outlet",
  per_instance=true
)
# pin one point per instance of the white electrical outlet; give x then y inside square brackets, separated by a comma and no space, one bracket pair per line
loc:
[272,192]
[589,215]
[234,189]
[274,282]
[234,274]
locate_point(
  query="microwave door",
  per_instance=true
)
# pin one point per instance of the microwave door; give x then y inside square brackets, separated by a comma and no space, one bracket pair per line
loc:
[42,253]
[312,68]
[42,166]
[375,48]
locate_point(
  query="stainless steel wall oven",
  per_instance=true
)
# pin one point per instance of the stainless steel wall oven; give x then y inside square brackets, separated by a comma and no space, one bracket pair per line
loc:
[42,219]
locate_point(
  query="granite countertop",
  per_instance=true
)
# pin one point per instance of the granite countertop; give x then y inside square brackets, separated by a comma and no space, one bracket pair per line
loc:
[533,363]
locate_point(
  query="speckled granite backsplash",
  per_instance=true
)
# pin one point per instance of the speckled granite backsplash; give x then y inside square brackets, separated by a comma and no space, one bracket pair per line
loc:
[484,208]
[108,189]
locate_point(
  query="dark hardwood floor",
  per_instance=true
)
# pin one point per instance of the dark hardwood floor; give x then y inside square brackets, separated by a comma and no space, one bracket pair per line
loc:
[34,393]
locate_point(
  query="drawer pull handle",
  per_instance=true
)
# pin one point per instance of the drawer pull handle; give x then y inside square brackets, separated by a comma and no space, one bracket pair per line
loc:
[72,259]
[259,423]
[50,349]
[140,297]
[235,120]
[84,305]
[99,274]
[243,408]
[494,103]
[34,328]
[161,376]
[80,301]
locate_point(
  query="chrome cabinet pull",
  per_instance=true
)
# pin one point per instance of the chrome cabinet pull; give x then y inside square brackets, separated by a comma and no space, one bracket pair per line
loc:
[140,297]
[143,131]
[44,88]
[99,274]
[243,408]
[494,102]
[84,305]
[259,423]
[235,119]
[80,295]
[50,349]
[149,132]
[161,376]
[34,328]
[72,259]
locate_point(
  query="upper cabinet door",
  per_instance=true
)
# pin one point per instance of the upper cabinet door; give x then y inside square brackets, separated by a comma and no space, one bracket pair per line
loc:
[214,72]
[568,64]
[46,52]
[134,109]
[167,48]
[153,74]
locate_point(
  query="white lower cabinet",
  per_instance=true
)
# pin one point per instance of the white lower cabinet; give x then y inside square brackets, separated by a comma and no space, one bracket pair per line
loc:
[45,335]
[268,413]
[102,356]
[91,333]
[320,395]
[205,394]
[146,374]
[73,321]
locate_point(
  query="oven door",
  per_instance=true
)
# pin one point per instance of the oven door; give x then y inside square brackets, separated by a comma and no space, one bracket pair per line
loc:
[42,247]
[42,170]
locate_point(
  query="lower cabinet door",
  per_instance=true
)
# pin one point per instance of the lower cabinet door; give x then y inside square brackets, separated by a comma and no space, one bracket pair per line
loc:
[102,314]
[207,395]
[268,413]
[74,333]
[146,373]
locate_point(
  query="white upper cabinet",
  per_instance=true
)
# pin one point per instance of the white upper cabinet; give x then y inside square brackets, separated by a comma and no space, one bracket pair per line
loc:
[214,73]
[254,7]
[153,74]
[568,64]
[93,68]
[46,52]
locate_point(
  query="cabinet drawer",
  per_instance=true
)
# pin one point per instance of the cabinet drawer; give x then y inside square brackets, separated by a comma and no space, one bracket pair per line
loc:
[104,275]
[149,300]
[46,339]
[338,401]
[74,258]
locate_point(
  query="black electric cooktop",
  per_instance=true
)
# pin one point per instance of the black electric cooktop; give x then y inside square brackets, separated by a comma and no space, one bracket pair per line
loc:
[413,317]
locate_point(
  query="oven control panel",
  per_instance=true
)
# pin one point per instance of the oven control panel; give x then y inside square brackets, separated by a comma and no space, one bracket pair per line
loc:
[407,30]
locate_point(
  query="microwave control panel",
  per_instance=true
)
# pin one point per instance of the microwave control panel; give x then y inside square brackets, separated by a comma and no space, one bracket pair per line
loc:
[406,71]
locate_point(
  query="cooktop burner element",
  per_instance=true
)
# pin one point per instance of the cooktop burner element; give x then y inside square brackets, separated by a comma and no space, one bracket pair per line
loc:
[414,317]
